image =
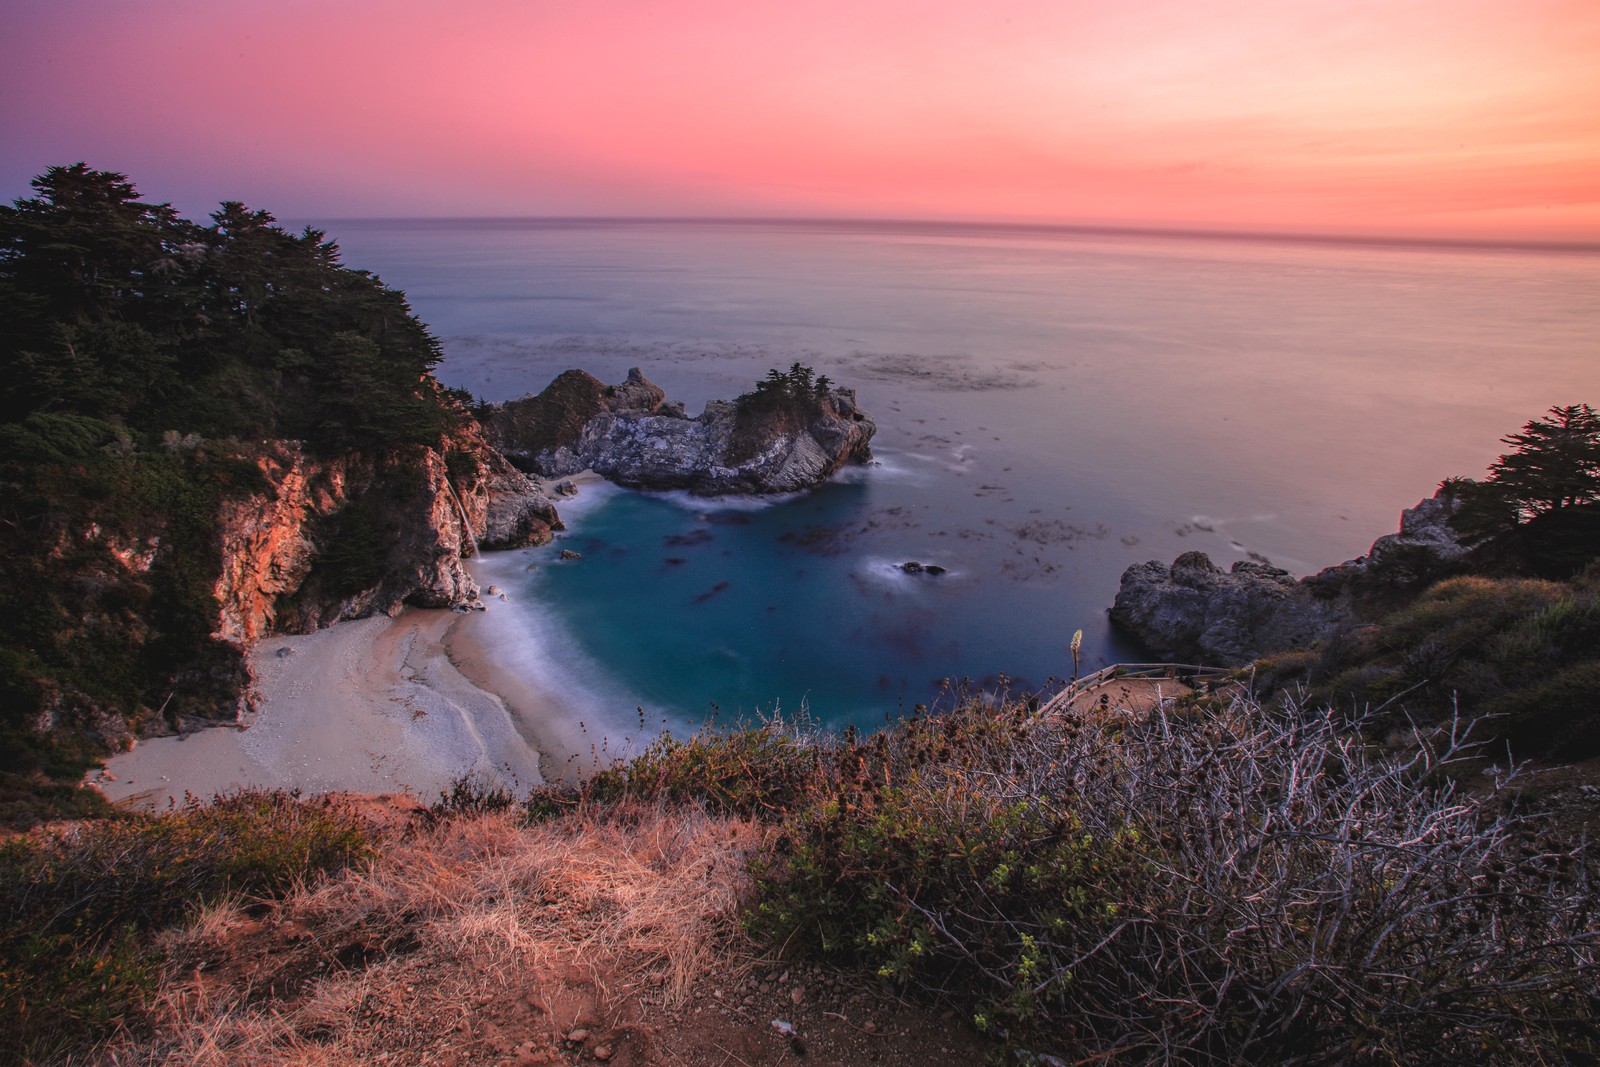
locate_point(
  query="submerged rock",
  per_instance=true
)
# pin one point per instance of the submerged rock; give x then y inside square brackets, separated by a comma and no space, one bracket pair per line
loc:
[1193,610]
[631,435]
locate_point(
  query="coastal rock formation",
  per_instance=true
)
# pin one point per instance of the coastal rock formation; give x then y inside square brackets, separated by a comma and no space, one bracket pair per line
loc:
[331,539]
[631,435]
[507,508]
[336,539]
[1195,611]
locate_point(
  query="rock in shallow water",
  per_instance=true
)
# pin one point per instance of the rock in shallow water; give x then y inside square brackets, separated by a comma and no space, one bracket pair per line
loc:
[1195,611]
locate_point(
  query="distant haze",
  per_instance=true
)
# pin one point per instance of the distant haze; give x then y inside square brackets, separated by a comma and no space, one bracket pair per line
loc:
[1445,118]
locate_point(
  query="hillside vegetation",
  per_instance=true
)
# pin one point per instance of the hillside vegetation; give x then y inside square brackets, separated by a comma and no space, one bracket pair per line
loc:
[1515,639]
[1202,882]
[144,360]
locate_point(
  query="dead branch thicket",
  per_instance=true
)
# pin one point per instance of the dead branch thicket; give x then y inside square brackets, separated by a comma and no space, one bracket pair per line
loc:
[1303,897]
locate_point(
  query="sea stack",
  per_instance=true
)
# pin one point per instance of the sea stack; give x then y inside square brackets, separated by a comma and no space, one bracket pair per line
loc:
[783,438]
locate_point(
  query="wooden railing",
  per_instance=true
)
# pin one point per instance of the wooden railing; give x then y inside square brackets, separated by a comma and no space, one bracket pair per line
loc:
[1174,671]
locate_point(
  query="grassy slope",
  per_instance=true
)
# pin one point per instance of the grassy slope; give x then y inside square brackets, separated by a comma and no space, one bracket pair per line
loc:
[1214,882]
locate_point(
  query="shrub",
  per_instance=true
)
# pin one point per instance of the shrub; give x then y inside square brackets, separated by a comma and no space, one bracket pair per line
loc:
[1207,884]
[763,770]
[1520,650]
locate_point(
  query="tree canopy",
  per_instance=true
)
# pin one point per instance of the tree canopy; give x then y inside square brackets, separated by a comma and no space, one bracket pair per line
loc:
[122,311]
[1542,497]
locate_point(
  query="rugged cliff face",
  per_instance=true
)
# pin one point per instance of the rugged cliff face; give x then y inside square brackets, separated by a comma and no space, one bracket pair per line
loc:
[336,539]
[1195,611]
[630,434]
[164,599]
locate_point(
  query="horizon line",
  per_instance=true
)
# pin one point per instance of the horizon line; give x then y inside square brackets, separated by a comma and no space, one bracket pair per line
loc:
[1085,229]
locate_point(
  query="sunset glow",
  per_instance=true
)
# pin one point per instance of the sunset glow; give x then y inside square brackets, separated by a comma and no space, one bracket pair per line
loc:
[1470,118]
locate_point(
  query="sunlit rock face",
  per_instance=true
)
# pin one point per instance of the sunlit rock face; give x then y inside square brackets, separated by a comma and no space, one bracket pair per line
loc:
[340,538]
[1197,612]
[630,434]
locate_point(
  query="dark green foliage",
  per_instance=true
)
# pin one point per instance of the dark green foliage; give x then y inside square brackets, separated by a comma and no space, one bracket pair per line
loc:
[1555,713]
[94,638]
[782,402]
[75,903]
[120,310]
[353,548]
[137,351]
[897,859]
[462,467]
[1539,508]
[757,771]
[1520,650]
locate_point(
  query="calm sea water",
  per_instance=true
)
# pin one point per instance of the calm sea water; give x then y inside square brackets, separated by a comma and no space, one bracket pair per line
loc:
[1051,407]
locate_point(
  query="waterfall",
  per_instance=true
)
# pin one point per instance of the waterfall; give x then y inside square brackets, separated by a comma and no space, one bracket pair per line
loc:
[466,523]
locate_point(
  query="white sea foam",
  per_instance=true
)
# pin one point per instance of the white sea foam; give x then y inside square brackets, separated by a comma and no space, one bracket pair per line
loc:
[703,505]
[593,493]
[891,575]
[590,711]
[888,466]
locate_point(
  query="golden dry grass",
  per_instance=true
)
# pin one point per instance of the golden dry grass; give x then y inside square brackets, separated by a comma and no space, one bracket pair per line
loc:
[463,942]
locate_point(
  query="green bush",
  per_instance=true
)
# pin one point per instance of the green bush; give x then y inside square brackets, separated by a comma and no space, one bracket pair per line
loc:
[762,770]
[937,884]
[1212,883]
[1555,714]
[1523,651]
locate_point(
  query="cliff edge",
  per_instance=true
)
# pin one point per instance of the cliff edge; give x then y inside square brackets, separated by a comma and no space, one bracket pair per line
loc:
[326,539]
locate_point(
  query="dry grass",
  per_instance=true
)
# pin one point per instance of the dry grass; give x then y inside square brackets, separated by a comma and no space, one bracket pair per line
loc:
[464,942]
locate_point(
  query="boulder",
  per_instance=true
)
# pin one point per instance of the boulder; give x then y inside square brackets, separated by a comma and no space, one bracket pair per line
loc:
[1195,611]
[516,511]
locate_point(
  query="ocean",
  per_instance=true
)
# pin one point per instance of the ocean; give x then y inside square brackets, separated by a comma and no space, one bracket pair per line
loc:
[1052,406]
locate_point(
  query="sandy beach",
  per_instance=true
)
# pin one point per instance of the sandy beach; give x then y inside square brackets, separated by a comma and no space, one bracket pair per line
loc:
[408,704]
[371,705]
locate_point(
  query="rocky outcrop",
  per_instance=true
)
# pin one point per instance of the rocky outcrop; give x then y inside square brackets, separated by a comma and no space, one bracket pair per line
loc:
[331,539]
[631,435]
[291,554]
[1194,611]
[514,508]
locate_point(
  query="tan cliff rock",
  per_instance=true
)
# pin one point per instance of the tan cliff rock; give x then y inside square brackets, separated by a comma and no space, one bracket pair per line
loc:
[405,509]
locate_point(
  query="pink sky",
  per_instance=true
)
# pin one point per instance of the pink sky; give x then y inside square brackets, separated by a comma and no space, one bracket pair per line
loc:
[1473,118]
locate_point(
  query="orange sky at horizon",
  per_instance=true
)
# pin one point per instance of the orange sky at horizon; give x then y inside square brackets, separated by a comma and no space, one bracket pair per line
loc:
[1459,118]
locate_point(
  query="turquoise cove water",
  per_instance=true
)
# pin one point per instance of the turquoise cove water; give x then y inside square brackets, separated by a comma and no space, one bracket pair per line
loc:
[1052,407]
